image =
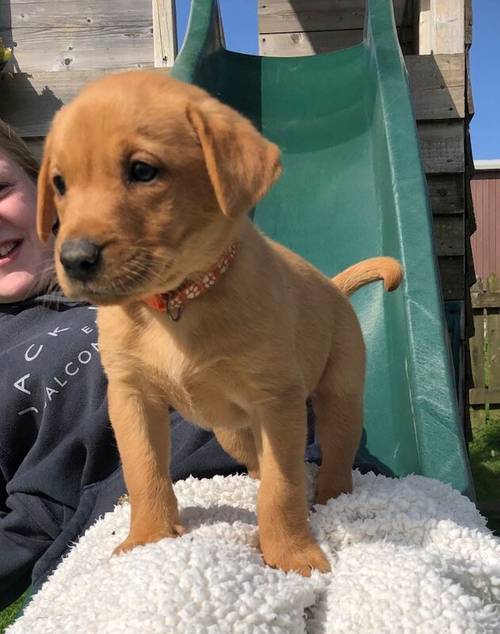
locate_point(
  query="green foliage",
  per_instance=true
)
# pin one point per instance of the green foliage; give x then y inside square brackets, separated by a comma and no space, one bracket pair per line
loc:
[485,462]
[10,613]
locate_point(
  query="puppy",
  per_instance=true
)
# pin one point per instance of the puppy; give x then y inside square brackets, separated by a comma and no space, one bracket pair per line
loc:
[151,180]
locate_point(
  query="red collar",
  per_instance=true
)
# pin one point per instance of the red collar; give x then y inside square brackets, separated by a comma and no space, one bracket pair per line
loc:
[174,301]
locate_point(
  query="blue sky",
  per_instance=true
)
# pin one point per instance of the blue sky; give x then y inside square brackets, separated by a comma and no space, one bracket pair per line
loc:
[485,76]
[240,23]
[240,27]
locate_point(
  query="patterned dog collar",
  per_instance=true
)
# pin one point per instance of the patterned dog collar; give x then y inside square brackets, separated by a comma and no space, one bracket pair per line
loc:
[174,301]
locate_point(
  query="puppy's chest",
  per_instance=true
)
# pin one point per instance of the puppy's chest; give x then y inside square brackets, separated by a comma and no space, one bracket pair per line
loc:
[198,382]
[167,361]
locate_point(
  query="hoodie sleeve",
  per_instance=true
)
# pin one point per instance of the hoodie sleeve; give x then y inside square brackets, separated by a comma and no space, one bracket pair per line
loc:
[27,528]
[55,435]
[28,524]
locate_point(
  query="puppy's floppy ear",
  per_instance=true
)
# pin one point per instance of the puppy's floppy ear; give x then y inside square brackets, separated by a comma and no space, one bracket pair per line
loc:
[45,208]
[241,163]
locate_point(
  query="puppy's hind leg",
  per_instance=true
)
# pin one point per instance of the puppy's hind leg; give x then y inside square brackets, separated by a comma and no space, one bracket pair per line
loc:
[284,533]
[240,444]
[338,406]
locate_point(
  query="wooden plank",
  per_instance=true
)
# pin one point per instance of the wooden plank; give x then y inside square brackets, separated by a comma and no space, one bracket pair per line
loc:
[299,44]
[292,16]
[486,299]
[449,26]
[164,32]
[442,146]
[451,271]
[66,34]
[446,193]
[437,84]
[449,235]
[481,396]
[477,351]
[30,101]
[441,27]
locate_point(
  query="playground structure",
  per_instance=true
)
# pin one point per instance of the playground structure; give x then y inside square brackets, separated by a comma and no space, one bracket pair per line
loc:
[354,182]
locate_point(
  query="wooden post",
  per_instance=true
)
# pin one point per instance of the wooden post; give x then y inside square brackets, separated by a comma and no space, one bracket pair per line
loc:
[441,27]
[164,32]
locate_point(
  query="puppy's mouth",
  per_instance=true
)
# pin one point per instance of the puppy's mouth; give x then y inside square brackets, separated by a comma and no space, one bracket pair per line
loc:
[134,279]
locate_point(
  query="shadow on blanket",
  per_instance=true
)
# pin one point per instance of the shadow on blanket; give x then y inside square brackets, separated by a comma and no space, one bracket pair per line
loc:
[196,516]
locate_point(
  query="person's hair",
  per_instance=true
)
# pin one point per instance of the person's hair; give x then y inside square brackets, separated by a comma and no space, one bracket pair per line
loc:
[12,144]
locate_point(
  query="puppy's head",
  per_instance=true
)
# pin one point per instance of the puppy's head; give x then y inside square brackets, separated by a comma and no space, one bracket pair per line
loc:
[148,178]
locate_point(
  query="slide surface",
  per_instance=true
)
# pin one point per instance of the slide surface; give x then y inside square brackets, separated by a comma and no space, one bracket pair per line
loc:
[353,187]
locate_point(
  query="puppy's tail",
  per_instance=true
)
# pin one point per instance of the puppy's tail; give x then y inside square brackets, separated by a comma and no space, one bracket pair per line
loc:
[366,271]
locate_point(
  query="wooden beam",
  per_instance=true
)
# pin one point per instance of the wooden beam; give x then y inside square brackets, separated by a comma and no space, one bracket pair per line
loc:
[437,84]
[299,44]
[164,32]
[451,270]
[449,235]
[441,27]
[442,146]
[293,16]
[446,193]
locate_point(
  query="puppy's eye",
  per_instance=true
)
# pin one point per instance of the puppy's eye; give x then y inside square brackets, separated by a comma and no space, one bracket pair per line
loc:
[142,172]
[59,184]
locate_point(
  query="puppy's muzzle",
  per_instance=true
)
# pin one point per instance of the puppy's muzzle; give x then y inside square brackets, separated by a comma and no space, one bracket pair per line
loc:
[80,258]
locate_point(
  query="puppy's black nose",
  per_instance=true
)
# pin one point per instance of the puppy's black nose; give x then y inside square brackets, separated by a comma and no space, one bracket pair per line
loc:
[80,258]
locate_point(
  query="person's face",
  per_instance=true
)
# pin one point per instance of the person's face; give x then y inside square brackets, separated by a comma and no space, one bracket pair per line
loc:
[25,263]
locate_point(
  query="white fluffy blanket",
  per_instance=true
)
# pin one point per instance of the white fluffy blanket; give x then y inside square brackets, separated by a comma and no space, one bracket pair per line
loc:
[409,555]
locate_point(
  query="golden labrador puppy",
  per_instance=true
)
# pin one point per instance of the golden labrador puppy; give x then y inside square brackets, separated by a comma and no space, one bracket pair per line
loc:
[151,180]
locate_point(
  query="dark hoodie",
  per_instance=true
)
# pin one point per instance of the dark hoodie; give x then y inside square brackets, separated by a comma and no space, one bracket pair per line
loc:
[59,464]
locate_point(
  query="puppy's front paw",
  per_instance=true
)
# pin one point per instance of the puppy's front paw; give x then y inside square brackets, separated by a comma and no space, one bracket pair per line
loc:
[303,559]
[173,530]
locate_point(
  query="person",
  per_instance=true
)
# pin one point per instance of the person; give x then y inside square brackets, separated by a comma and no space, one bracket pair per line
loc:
[59,465]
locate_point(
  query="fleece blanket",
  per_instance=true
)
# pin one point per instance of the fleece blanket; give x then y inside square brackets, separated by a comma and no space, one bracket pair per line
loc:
[408,556]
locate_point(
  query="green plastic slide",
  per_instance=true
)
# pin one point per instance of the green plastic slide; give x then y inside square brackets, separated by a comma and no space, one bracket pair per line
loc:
[352,188]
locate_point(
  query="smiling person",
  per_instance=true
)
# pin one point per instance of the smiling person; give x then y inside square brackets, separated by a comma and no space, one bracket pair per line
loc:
[59,465]
[24,261]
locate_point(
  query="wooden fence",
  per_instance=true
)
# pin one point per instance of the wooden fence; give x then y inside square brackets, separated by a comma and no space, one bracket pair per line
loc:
[485,345]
